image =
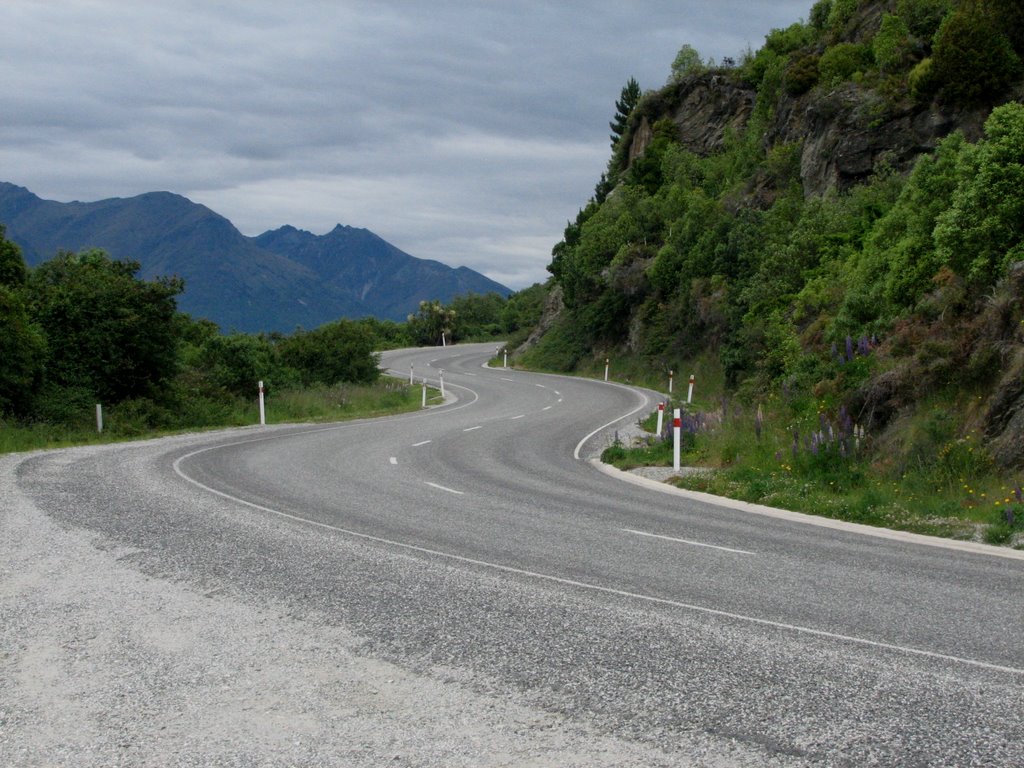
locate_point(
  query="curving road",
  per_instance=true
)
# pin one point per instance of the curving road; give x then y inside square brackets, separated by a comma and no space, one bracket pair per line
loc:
[475,544]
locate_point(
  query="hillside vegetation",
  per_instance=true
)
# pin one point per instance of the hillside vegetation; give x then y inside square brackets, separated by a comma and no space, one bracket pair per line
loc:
[831,229]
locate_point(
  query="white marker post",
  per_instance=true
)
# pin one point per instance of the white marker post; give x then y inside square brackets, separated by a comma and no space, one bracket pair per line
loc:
[410,374]
[442,383]
[661,418]
[424,393]
[689,394]
[506,358]
[670,375]
[99,418]
[263,412]
[443,342]
[677,426]
[606,363]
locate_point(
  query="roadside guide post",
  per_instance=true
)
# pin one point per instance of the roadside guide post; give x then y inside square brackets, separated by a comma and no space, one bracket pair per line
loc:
[689,394]
[670,375]
[442,383]
[606,362]
[99,418]
[263,412]
[505,364]
[661,418]
[424,392]
[410,374]
[677,424]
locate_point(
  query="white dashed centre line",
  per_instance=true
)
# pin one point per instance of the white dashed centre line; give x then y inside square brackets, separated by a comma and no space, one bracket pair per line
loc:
[442,488]
[472,429]
[424,442]
[687,541]
[394,460]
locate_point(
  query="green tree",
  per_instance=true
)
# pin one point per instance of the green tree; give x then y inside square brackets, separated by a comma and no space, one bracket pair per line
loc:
[331,354]
[108,333]
[432,325]
[477,315]
[973,61]
[624,107]
[983,230]
[22,345]
[892,46]
[686,62]
[235,362]
[12,265]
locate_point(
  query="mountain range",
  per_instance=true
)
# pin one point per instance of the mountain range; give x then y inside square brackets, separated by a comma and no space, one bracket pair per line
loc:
[276,281]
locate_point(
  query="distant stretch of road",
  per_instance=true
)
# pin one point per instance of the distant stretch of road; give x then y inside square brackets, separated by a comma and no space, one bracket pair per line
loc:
[507,557]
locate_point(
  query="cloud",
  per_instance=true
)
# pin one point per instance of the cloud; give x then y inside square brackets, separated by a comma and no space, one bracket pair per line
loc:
[464,132]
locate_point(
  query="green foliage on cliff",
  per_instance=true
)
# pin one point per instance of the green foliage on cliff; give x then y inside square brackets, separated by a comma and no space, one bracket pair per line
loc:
[871,299]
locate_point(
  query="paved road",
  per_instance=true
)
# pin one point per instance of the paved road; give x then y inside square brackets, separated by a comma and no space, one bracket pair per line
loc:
[476,540]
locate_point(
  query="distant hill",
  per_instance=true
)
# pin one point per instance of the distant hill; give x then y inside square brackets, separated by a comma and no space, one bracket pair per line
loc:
[273,282]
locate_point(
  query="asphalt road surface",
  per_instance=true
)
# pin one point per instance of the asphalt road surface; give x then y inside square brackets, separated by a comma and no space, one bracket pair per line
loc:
[477,552]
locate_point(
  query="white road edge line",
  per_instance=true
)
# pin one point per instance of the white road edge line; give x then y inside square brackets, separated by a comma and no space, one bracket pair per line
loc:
[442,488]
[423,442]
[504,379]
[687,541]
[595,587]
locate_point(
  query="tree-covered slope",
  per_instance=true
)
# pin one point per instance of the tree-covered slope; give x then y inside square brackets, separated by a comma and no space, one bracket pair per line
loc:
[838,217]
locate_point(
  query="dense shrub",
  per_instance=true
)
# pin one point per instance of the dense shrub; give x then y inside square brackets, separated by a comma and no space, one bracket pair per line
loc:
[801,75]
[840,62]
[923,17]
[892,47]
[973,61]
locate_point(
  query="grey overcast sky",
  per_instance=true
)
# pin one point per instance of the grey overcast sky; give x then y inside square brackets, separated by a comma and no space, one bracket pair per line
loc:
[467,132]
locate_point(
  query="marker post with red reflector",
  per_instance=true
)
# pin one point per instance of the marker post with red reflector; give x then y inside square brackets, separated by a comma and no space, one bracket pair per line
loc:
[606,363]
[677,428]
[671,374]
[661,418]
[689,394]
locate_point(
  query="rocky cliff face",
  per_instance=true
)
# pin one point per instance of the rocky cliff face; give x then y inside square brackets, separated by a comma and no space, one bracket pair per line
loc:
[844,134]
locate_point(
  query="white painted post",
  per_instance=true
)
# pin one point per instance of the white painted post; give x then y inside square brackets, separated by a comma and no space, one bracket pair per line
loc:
[443,342]
[506,358]
[661,418]
[424,393]
[606,362]
[442,383]
[410,374]
[670,375]
[689,394]
[677,425]
[263,411]
[99,418]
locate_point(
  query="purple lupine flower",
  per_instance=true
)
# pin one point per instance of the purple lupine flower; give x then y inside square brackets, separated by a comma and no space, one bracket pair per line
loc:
[835,353]
[1019,495]
[863,346]
[849,349]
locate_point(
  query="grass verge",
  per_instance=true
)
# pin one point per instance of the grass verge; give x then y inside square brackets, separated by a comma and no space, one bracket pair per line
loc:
[132,420]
